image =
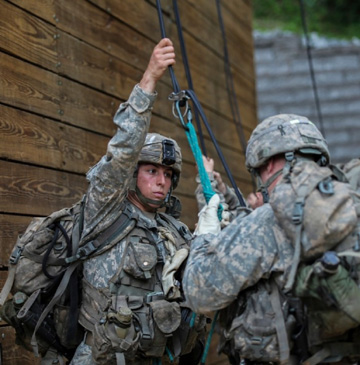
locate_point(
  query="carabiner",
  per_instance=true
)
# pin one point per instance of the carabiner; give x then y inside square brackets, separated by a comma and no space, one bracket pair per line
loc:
[181,116]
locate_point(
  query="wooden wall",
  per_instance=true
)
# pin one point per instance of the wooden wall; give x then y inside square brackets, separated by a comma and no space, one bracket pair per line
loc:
[64,68]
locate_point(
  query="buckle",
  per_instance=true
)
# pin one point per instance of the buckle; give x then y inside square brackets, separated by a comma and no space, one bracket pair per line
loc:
[152,297]
[15,255]
[298,212]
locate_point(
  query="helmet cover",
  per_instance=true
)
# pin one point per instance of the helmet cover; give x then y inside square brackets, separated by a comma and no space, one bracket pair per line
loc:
[284,133]
[164,151]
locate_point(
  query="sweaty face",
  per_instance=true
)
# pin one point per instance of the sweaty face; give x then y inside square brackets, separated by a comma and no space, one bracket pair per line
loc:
[154,181]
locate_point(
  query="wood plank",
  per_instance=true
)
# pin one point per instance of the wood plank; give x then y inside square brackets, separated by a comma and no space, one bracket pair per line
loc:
[44,9]
[43,44]
[14,354]
[103,31]
[32,190]
[209,85]
[31,38]
[28,87]
[200,19]
[206,92]
[43,142]
[91,66]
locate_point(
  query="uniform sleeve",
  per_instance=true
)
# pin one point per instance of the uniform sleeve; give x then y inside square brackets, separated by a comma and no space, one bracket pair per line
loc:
[231,199]
[110,178]
[221,266]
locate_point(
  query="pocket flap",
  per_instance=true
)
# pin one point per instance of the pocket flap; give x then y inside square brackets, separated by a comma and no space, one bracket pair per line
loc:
[167,315]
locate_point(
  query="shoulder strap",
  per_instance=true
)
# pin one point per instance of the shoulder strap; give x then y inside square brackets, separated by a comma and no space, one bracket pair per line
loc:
[180,227]
[298,215]
[283,340]
[108,238]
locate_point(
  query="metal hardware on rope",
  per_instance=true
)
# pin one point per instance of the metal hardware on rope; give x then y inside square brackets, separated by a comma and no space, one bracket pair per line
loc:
[182,99]
[176,107]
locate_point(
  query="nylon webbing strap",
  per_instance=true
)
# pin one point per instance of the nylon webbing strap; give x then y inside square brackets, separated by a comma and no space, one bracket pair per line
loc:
[120,358]
[60,290]
[283,340]
[8,284]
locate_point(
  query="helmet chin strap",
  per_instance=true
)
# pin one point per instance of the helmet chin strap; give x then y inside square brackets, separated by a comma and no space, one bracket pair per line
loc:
[264,187]
[147,201]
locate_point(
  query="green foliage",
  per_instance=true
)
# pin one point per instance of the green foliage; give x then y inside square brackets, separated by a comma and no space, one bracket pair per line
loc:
[334,18]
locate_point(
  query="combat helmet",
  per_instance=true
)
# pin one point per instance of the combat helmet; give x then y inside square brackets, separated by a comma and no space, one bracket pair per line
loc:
[285,133]
[294,136]
[160,150]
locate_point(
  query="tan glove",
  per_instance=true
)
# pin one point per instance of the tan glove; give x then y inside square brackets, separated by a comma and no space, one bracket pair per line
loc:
[208,218]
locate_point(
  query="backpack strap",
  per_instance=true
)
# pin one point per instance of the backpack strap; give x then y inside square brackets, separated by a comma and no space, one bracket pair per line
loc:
[8,285]
[325,186]
[283,341]
[108,238]
[19,247]
[180,227]
[113,234]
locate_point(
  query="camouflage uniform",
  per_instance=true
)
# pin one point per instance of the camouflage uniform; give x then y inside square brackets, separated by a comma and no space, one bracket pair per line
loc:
[220,267]
[231,271]
[110,180]
[248,250]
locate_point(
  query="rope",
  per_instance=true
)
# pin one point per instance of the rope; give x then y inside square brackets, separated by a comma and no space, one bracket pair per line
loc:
[187,72]
[175,84]
[193,97]
[190,94]
[311,68]
[207,345]
[204,177]
[191,134]
[230,83]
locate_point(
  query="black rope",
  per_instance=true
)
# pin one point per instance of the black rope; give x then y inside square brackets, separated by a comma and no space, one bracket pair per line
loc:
[218,150]
[188,73]
[312,74]
[230,83]
[191,94]
[175,84]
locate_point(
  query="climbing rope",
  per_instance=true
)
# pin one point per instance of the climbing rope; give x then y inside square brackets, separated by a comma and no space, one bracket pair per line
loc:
[190,132]
[181,99]
[311,68]
[187,72]
[183,96]
[235,111]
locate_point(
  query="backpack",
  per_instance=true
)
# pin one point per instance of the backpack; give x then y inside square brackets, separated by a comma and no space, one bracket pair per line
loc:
[44,278]
[320,213]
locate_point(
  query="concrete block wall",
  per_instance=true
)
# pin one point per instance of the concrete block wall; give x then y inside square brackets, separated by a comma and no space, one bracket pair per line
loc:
[284,85]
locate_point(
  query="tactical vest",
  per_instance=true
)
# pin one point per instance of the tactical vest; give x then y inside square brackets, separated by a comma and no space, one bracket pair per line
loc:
[147,287]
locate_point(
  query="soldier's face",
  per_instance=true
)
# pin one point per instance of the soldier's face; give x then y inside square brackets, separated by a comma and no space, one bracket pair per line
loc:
[154,181]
